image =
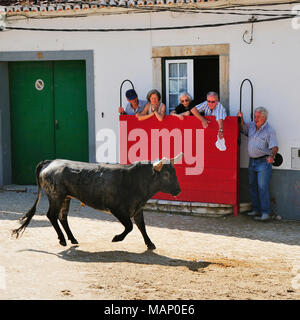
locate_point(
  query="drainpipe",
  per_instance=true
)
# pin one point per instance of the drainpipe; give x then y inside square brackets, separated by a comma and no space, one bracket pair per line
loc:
[1,154]
[2,18]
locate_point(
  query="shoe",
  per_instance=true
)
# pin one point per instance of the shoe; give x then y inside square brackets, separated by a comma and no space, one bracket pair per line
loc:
[253,213]
[264,217]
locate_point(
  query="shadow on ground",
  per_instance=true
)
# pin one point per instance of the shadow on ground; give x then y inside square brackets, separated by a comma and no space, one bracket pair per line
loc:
[148,258]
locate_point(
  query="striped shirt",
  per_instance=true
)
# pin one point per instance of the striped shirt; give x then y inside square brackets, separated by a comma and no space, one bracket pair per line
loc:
[218,111]
[260,142]
[130,111]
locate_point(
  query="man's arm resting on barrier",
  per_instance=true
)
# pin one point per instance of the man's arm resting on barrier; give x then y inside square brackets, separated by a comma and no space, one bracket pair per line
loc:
[196,113]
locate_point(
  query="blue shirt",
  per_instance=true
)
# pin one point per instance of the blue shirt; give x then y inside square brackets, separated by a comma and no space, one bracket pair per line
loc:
[218,111]
[260,142]
[129,110]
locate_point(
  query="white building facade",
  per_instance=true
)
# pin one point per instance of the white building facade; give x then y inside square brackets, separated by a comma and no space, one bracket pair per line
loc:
[140,41]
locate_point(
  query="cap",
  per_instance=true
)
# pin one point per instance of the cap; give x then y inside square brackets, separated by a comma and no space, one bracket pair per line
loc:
[131,94]
[278,160]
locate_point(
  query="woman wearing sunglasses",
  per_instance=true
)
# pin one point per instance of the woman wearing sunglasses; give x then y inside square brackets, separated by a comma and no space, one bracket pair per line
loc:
[185,105]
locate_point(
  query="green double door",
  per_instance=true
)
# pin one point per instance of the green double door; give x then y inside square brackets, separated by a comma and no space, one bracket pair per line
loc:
[49,117]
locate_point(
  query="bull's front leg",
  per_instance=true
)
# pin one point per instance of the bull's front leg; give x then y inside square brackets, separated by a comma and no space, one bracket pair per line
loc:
[125,220]
[139,220]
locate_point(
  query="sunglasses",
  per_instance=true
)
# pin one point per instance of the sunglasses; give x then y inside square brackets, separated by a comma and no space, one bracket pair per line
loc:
[210,101]
[186,100]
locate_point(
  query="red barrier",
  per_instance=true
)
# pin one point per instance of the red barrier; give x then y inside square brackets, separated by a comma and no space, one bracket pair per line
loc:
[206,174]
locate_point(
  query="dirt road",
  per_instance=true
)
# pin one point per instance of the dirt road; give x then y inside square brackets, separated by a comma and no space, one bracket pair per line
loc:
[196,257]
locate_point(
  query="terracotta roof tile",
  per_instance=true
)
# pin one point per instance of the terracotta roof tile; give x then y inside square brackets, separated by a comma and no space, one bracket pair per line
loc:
[91,3]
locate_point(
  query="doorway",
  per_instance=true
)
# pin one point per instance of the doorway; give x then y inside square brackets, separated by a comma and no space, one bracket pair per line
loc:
[195,75]
[49,116]
[206,77]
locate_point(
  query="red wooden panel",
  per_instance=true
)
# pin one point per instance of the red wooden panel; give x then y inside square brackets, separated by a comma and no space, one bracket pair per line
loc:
[206,174]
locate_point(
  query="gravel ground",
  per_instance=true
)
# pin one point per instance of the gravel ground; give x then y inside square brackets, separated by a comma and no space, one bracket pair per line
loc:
[196,257]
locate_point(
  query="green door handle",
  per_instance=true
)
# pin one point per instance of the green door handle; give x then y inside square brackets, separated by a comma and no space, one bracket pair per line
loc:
[56,124]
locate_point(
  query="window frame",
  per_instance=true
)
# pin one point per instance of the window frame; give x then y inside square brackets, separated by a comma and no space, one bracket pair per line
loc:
[190,78]
[160,53]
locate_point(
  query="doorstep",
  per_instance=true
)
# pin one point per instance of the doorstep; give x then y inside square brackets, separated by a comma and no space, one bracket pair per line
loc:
[194,208]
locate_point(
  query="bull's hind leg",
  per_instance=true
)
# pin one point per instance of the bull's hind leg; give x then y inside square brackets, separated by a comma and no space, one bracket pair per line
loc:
[53,212]
[139,220]
[125,220]
[63,218]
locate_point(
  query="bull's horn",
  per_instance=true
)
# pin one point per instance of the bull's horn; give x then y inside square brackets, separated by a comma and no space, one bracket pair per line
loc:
[159,164]
[177,158]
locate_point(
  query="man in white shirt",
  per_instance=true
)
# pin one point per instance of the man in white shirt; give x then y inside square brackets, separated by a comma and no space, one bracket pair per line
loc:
[211,107]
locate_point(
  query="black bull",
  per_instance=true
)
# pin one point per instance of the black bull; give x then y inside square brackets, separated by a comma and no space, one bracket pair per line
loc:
[122,190]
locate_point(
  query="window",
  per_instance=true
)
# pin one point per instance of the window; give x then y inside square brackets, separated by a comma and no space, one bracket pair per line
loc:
[210,70]
[179,79]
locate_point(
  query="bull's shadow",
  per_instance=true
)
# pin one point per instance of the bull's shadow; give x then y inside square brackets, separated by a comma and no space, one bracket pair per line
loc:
[148,258]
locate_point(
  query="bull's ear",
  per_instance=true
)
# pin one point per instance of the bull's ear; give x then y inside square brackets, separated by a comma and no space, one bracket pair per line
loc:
[177,158]
[159,164]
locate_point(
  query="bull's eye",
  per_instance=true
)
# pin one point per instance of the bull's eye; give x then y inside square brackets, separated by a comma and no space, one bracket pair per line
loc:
[166,175]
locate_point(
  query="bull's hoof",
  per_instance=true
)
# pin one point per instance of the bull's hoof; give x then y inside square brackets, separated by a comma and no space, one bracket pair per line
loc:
[63,243]
[117,238]
[74,241]
[151,246]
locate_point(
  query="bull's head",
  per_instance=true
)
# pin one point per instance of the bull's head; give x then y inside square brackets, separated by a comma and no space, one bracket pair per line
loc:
[167,174]
[159,164]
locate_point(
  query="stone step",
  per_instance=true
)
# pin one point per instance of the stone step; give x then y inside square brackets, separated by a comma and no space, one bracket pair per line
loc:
[18,188]
[193,208]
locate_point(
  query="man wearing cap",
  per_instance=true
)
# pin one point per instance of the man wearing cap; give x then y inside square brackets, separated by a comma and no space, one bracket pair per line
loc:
[134,105]
[262,149]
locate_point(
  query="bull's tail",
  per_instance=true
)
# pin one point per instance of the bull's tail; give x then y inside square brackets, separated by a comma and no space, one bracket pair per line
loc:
[30,213]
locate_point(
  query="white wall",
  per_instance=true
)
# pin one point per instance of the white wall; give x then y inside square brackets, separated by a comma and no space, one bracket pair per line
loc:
[271,62]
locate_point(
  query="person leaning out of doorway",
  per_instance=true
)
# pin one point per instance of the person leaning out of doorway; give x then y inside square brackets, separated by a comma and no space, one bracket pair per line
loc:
[211,107]
[134,105]
[186,103]
[154,107]
[262,149]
